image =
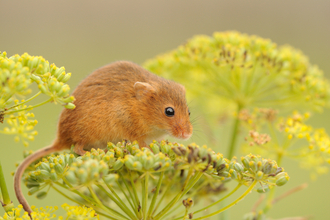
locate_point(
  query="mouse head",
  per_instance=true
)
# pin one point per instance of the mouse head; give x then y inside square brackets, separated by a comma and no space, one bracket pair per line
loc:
[166,108]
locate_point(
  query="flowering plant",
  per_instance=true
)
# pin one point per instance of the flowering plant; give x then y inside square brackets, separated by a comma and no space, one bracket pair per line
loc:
[227,72]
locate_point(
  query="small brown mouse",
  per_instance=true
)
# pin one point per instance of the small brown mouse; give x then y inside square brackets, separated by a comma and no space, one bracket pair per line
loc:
[118,101]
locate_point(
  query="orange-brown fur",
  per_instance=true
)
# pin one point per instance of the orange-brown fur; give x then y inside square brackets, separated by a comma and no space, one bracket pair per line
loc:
[118,101]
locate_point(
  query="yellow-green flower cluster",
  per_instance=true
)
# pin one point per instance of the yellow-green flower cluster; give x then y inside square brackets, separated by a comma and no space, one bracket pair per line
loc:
[49,170]
[79,213]
[14,79]
[50,79]
[265,171]
[85,172]
[164,157]
[247,70]
[289,137]
[16,75]
[72,213]
[21,125]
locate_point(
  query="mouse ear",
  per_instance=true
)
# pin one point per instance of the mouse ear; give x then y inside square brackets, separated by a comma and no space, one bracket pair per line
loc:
[143,89]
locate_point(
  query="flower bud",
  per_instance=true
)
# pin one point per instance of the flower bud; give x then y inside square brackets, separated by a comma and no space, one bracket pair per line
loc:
[282,181]
[82,175]
[238,167]
[118,164]
[155,148]
[65,78]
[44,166]
[59,169]
[53,175]
[263,189]
[41,195]
[70,106]
[245,162]
[259,175]
[44,173]
[148,163]
[71,177]
[137,165]
[233,173]
[32,190]
[42,88]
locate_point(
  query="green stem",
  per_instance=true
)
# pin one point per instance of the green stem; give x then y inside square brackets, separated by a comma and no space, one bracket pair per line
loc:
[165,191]
[119,203]
[269,203]
[28,108]
[33,97]
[74,190]
[135,193]
[79,203]
[184,190]
[220,200]
[231,204]
[154,198]
[126,196]
[145,195]
[123,205]
[135,203]
[234,134]
[108,209]
[69,198]
[7,203]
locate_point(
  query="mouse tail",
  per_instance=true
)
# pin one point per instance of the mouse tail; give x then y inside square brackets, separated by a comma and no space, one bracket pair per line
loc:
[21,168]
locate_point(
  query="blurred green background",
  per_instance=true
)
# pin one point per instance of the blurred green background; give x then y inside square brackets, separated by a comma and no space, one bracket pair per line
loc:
[84,35]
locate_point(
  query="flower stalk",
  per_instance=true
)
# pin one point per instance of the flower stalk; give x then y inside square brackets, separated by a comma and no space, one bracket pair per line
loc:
[7,204]
[231,204]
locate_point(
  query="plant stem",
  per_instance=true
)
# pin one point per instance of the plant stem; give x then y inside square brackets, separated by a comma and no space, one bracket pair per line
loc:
[36,95]
[126,209]
[119,202]
[269,203]
[183,191]
[154,198]
[7,203]
[110,211]
[165,192]
[232,144]
[145,195]
[231,204]
[135,193]
[135,203]
[28,108]
[79,203]
[68,197]
[213,204]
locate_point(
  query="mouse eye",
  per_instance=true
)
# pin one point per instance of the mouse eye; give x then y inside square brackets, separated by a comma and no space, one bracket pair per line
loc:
[169,111]
[188,111]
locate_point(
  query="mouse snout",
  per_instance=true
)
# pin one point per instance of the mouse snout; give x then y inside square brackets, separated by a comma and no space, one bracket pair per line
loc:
[182,130]
[185,135]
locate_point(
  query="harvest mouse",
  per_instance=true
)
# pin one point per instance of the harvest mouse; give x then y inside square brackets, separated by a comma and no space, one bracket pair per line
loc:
[118,101]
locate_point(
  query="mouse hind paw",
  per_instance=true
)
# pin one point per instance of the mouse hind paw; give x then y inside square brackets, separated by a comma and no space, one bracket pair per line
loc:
[79,149]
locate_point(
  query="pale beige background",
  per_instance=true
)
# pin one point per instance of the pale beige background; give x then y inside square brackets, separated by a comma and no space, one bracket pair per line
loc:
[83,35]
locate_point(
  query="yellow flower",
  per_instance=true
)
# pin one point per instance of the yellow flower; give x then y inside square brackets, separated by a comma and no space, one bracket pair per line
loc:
[21,125]
[243,70]
[79,213]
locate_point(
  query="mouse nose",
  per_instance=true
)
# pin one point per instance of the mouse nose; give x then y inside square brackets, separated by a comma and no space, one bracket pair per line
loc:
[185,135]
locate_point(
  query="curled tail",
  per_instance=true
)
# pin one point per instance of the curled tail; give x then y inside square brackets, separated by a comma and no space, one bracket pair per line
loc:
[21,168]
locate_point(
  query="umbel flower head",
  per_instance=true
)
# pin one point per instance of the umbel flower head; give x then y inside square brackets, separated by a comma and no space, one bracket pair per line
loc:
[291,137]
[124,170]
[73,213]
[248,71]
[17,73]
